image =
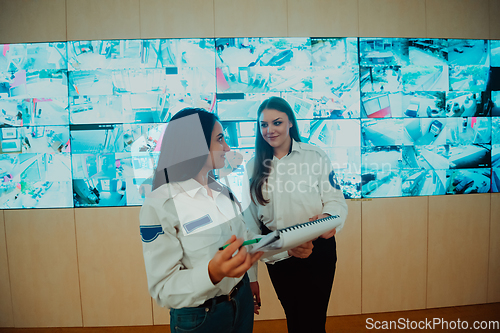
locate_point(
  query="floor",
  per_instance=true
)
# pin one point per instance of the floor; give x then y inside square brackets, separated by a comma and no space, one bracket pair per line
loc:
[484,314]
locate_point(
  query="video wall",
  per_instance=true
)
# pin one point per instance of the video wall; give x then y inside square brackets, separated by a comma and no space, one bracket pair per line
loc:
[81,121]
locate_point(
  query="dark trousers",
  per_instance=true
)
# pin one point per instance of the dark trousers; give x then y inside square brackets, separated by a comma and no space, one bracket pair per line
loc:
[235,316]
[304,286]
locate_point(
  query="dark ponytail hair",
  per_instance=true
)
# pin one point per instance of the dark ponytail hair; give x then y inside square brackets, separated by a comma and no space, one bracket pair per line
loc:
[183,151]
[264,152]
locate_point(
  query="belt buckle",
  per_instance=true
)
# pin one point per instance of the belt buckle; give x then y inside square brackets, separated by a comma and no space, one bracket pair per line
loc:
[231,293]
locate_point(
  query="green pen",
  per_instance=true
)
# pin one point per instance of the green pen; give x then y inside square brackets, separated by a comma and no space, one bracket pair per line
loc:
[248,242]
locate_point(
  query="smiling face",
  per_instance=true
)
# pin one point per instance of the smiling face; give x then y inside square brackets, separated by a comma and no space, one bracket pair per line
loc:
[275,129]
[218,148]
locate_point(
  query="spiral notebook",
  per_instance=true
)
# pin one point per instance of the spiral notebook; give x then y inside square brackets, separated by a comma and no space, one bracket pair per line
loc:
[287,238]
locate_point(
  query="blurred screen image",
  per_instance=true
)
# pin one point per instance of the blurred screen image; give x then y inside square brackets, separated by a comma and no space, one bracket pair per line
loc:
[381,78]
[423,182]
[35,180]
[135,54]
[495,103]
[94,138]
[495,53]
[463,52]
[45,139]
[428,52]
[468,181]
[96,182]
[240,106]
[33,56]
[469,78]
[383,51]
[43,83]
[143,95]
[334,52]
[424,104]
[424,78]
[468,104]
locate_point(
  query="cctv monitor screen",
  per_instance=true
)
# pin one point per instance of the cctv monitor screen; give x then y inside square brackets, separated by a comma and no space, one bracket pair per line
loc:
[82,122]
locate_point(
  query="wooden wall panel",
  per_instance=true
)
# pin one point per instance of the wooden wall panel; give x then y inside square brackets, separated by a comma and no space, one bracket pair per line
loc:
[27,21]
[271,306]
[161,316]
[494,10]
[391,18]
[43,268]
[346,293]
[394,254]
[177,19]
[6,314]
[494,255]
[458,244]
[250,18]
[112,274]
[322,18]
[103,19]
[460,19]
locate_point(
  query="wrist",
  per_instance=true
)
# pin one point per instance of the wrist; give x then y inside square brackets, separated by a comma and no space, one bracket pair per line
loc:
[213,274]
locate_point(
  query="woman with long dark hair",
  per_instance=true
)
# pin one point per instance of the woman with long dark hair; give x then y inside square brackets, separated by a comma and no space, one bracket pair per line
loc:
[293,182]
[185,221]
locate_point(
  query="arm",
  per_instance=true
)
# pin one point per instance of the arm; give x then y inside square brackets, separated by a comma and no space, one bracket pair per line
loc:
[169,283]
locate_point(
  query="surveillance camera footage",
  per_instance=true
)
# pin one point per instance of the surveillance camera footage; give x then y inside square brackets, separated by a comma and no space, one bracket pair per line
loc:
[81,122]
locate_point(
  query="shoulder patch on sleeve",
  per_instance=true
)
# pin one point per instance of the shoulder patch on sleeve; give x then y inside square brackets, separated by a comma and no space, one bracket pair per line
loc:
[150,232]
[333,180]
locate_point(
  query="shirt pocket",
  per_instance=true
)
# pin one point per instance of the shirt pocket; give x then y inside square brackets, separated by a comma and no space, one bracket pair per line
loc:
[205,242]
[306,191]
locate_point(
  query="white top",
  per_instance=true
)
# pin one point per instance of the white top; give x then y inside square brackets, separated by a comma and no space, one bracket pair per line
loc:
[301,185]
[182,228]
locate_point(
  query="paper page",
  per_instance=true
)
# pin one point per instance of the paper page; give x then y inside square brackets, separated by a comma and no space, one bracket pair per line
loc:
[269,242]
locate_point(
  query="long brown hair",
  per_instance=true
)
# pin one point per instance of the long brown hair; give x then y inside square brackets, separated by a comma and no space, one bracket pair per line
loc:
[179,139]
[264,152]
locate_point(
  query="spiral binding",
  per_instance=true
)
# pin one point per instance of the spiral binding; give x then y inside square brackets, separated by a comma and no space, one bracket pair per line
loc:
[306,224]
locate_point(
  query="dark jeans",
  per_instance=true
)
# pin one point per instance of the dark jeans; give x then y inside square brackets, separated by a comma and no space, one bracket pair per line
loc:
[304,286]
[235,316]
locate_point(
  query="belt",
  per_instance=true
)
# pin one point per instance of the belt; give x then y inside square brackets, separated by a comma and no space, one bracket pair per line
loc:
[223,298]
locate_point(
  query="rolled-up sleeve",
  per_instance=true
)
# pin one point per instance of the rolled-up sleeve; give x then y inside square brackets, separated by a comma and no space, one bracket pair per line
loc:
[170,283]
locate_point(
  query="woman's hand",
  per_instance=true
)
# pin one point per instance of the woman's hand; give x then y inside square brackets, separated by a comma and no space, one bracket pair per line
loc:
[302,251]
[328,234]
[256,296]
[224,264]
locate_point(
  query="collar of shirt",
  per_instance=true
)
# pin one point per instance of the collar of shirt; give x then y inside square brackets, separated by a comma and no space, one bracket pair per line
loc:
[191,187]
[294,146]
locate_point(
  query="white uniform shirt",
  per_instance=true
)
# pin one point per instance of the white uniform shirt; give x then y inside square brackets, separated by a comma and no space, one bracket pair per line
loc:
[301,185]
[182,228]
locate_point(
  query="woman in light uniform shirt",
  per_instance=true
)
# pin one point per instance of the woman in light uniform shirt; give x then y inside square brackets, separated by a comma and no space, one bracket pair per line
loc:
[184,222]
[293,182]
